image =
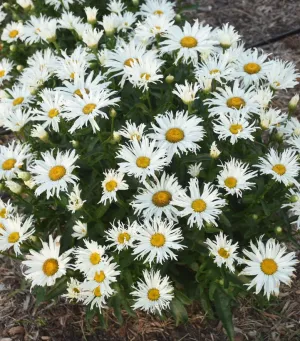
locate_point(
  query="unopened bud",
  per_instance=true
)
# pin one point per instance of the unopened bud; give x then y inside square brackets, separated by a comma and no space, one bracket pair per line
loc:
[20,67]
[13,48]
[278,229]
[30,183]
[279,137]
[13,186]
[214,151]
[254,216]
[5,5]
[293,103]
[112,113]
[177,17]
[34,238]
[221,281]
[75,143]
[25,176]
[294,198]
[116,137]
[135,2]
[169,79]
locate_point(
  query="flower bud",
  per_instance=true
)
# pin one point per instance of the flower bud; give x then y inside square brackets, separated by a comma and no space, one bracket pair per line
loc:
[29,183]
[116,137]
[294,198]
[177,17]
[214,151]
[20,67]
[279,137]
[91,15]
[278,229]
[169,79]
[112,113]
[254,216]
[13,186]
[75,143]
[135,2]
[293,103]
[5,5]
[39,132]
[25,176]
[34,238]
[13,48]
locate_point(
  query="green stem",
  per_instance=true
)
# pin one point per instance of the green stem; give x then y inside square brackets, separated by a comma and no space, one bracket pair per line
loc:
[56,46]
[190,108]
[11,256]
[148,99]
[112,126]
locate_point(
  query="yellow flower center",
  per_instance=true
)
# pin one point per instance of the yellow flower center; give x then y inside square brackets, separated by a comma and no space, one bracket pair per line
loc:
[8,164]
[88,108]
[279,169]
[95,258]
[57,172]
[50,267]
[188,42]
[161,198]
[1,228]
[174,135]
[214,71]
[99,277]
[13,237]
[130,61]
[158,12]
[2,73]
[145,75]
[78,92]
[276,83]
[72,75]
[153,294]
[235,128]
[111,185]
[268,266]
[97,292]
[53,112]
[158,240]
[199,205]
[76,290]
[13,33]
[143,161]
[230,182]
[18,101]
[122,237]
[136,136]
[236,102]
[252,68]
[3,213]
[223,253]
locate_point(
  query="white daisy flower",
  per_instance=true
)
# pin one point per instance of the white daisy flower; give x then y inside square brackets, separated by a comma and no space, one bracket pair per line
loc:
[43,268]
[48,30]
[187,92]
[155,200]
[141,158]
[34,28]
[229,100]
[5,68]
[39,132]
[223,251]
[291,128]
[51,109]
[75,201]
[110,23]
[283,166]
[157,7]
[131,131]
[14,232]
[43,60]
[17,119]
[226,36]
[234,126]
[251,67]
[12,158]
[263,97]
[195,169]
[20,97]
[112,183]
[14,186]
[57,4]
[270,264]
[116,6]
[122,236]
[214,151]
[69,21]
[95,297]
[271,119]
[91,14]
[12,32]
[53,174]
[91,37]
[73,289]
[91,258]
[177,133]
[293,204]
[294,142]
[154,293]
[157,240]
[2,14]
[204,206]
[126,21]
[188,41]
[80,230]
[7,210]
[85,110]
[234,177]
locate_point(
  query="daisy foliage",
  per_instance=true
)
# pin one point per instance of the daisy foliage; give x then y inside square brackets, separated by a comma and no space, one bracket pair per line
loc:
[149,166]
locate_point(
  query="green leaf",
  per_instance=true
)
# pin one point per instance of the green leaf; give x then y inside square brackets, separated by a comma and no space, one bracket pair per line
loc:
[178,311]
[182,297]
[223,307]
[115,303]
[224,220]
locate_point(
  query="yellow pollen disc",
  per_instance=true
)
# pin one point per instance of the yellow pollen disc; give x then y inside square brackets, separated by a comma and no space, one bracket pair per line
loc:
[95,258]
[72,75]
[158,12]
[143,161]
[235,128]
[76,290]
[223,253]
[97,292]
[1,228]
[214,71]
[13,33]
[268,266]
[158,240]
[130,61]
[158,28]
[137,136]
[13,237]
[188,42]
[122,237]
[279,169]
[57,172]
[53,112]
[174,135]
[99,277]
[50,267]
[3,213]
[153,294]
[252,68]
[276,83]
[199,205]
[88,108]
[236,102]
[8,164]
[18,101]
[161,198]
[230,182]
[145,75]
[78,92]
[111,185]
[2,73]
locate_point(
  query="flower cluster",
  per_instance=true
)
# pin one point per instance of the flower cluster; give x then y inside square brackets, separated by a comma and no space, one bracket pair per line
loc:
[138,136]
